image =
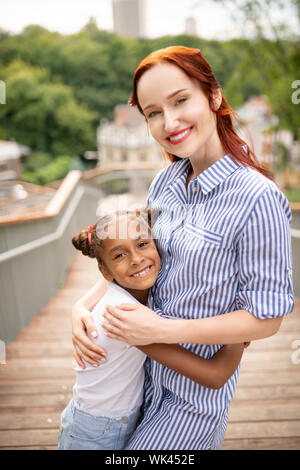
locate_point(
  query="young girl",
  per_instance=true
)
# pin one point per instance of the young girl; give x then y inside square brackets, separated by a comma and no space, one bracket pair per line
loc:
[107,399]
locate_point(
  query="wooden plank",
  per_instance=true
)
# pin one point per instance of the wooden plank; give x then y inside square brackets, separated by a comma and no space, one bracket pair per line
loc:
[263,430]
[37,373]
[36,388]
[40,334]
[29,420]
[264,410]
[282,443]
[32,437]
[282,340]
[267,392]
[269,359]
[26,349]
[252,379]
[36,400]
[31,448]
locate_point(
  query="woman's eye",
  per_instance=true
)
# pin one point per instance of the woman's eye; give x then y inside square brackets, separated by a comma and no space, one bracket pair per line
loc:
[181,100]
[152,114]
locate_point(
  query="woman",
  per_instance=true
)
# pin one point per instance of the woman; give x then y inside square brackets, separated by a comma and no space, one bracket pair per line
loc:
[222,230]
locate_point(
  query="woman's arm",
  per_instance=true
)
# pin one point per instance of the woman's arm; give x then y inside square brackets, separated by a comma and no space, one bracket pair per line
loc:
[211,373]
[138,325]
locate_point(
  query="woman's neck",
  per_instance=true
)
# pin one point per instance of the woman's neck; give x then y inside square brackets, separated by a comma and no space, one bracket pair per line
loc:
[207,156]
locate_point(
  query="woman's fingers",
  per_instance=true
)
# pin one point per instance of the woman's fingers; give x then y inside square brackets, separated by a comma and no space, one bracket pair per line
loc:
[81,339]
[112,326]
[127,307]
[81,356]
[115,315]
[78,359]
[87,348]
[90,326]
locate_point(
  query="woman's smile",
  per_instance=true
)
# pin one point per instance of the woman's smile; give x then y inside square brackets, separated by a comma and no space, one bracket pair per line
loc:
[180,136]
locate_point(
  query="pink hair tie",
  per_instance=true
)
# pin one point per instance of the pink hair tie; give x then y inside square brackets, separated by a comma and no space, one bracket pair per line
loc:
[90,229]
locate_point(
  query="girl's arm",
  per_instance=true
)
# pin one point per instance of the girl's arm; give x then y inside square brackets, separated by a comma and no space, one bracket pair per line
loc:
[211,373]
[82,322]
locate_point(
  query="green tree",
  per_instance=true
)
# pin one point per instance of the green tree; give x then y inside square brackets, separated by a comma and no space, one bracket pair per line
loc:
[44,115]
[271,54]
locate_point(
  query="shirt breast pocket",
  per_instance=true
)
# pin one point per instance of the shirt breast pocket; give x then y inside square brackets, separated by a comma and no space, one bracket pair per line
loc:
[201,234]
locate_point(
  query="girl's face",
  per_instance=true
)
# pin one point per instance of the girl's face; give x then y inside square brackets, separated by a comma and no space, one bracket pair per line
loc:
[178,112]
[129,255]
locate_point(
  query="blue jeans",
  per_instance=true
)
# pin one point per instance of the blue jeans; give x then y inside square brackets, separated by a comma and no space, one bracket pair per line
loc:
[82,431]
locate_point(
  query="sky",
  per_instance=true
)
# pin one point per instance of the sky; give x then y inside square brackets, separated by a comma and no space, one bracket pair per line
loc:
[213,21]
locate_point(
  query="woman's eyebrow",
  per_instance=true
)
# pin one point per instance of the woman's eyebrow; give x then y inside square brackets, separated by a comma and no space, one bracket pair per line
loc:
[168,97]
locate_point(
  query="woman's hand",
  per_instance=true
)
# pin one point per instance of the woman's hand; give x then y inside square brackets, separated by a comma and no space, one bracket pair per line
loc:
[133,323]
[84,348]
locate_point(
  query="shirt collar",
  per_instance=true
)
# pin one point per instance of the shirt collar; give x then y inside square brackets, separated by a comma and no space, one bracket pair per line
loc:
[212,176]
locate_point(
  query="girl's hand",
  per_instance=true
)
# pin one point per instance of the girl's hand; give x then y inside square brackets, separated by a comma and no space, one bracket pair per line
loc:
[84,348]
[132,323]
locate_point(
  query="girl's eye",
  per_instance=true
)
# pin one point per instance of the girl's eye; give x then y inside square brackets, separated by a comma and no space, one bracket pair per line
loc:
[142,244]
[119,255]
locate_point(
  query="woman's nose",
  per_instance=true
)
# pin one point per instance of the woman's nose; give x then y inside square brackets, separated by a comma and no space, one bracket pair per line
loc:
[170,122]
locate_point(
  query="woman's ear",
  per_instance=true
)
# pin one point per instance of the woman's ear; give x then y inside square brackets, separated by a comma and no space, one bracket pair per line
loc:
[105,273]
[217,99]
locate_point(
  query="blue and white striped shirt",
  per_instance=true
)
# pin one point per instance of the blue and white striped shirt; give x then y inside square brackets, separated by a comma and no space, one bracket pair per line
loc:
[224,246]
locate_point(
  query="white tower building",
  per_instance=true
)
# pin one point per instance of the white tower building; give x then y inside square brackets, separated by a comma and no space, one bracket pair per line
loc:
[129,17]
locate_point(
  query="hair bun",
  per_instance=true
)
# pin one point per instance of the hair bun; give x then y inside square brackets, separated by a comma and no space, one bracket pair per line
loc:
[81,243]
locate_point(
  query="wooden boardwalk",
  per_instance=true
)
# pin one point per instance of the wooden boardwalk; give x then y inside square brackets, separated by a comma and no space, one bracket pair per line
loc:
[36,381]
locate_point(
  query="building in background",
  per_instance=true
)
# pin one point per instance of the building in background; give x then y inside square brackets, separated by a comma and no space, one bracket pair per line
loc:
[257,126]
[126,139]
[190,26]
[10,159]
[129,17]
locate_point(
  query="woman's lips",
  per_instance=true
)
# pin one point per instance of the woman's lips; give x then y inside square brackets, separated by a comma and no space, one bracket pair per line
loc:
[180,136]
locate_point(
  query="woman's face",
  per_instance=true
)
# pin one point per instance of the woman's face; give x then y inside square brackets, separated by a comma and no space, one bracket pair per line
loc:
[177,111]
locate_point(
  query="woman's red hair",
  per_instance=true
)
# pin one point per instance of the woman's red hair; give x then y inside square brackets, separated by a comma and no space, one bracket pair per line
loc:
[192,62]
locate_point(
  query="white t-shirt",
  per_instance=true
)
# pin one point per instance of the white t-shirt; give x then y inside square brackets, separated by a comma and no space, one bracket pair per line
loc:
[115,387]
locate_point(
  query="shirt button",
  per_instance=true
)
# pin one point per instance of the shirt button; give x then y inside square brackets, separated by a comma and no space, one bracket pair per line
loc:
[107,428]
[124,420]
[167,267]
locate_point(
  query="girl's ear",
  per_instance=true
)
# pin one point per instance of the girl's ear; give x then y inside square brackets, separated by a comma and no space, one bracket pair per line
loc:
[105,273]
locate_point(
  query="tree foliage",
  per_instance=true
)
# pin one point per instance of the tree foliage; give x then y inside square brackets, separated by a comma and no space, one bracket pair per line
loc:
[58,86]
